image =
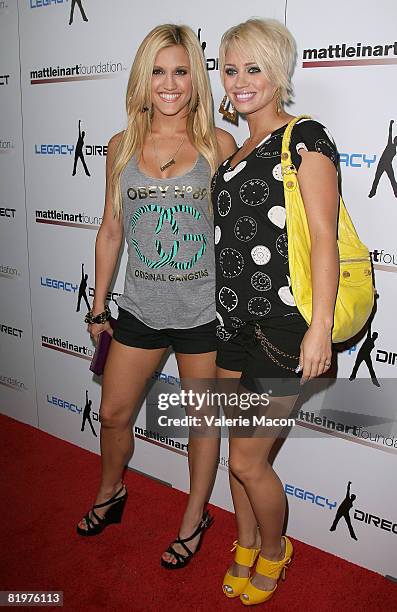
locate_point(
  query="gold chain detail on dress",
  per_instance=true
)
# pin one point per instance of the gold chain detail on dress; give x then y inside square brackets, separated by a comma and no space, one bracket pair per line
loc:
[266,345]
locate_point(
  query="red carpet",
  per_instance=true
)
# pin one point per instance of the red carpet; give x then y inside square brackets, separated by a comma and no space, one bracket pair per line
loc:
[47,485]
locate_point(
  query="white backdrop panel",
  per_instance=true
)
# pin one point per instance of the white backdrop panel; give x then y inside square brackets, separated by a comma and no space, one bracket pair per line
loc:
[354,102]
[17,383]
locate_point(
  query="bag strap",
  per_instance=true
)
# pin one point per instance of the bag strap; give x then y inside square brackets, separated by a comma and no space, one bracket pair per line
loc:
[286,161]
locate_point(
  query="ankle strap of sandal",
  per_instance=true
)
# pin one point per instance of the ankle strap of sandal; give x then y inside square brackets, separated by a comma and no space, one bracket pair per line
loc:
[111,500]
[273,569]
[205,522]
[244,556]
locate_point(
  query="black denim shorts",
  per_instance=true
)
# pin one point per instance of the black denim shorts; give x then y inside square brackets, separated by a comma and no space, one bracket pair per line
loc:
[131,331]
[266,352]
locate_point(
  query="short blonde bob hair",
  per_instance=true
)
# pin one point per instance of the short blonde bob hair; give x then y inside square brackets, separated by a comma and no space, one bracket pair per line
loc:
[268,43]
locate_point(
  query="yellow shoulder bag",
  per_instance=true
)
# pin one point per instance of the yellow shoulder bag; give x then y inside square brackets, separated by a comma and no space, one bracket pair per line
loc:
[355,297]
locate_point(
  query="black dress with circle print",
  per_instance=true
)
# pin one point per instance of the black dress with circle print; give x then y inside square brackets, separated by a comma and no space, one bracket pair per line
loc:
[251,245]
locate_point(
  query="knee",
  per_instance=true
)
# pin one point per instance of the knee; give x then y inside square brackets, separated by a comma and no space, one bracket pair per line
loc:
[113,417]
[244,468]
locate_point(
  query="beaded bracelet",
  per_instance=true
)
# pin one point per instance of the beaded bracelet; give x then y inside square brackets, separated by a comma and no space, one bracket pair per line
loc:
[100,318]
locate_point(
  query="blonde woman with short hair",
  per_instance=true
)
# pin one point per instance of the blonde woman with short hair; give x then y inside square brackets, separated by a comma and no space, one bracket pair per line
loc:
[158,173]
[263,341]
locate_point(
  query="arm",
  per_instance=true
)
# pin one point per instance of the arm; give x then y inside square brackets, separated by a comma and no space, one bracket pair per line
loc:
[82,271]
[348,489]
[226,144]
[79,127]
[390,140]
[319,187]
[108,243]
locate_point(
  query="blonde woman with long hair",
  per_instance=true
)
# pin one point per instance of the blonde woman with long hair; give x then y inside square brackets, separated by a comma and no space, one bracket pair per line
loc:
[158,173]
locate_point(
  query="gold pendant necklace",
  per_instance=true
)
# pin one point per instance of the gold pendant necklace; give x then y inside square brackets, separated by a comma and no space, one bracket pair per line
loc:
[171,161]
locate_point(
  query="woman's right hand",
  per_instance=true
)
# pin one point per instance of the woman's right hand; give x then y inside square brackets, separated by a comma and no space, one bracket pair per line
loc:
[95,329]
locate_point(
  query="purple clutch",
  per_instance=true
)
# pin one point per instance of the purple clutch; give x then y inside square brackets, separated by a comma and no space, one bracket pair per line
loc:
[101,350]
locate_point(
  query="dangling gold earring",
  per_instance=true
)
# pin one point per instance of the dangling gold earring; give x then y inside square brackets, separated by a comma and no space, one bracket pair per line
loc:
[228,111]
[279,105]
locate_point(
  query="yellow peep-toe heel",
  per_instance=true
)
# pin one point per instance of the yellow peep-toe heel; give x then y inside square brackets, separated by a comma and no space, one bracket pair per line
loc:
[271,569]
[233,586]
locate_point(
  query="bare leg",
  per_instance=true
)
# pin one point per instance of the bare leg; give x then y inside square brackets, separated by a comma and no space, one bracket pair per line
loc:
[203,451]
[247,525]
[126,372]
[249,464]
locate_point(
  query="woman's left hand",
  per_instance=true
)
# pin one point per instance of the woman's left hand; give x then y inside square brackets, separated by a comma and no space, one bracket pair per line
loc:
[315,352]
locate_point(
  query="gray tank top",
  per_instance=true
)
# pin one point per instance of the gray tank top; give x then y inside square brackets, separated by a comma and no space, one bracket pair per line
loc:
[170,273]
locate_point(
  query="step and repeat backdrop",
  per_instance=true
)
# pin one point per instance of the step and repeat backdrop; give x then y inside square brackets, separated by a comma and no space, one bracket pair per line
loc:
[64,66]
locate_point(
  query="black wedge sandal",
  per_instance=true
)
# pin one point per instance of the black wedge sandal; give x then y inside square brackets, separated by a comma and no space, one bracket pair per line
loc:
[183,560]
[113,515]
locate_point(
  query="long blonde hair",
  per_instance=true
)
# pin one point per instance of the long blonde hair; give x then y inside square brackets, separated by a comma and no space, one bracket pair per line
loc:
[200,121]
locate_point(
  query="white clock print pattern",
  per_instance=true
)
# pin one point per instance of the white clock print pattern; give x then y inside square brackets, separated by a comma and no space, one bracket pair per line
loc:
[223,334]
[278,172]
[261,281]
[231,262]
[259,306]
[261,254]
[251,230]
[254,192]
[245,228]
[269,147]
[282,245]
[228,298]
[236,322]
[224,203]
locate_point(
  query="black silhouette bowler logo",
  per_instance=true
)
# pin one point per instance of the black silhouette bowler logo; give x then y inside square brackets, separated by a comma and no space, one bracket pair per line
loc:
[87,415]
[344,510]
[364,354]
[385,164]
[72,7]
[78,152]
[83,290]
